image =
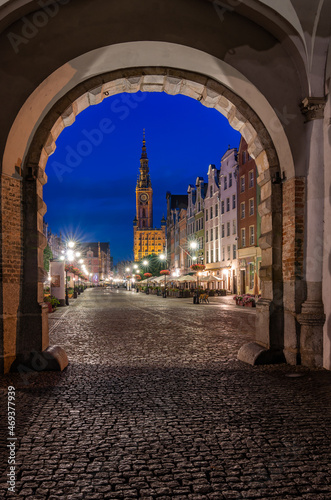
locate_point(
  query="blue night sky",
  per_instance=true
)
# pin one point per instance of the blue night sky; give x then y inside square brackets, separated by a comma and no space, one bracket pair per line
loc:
[92,174]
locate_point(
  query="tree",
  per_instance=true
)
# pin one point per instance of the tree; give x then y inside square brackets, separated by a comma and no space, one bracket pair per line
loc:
[48,255]
[155,264]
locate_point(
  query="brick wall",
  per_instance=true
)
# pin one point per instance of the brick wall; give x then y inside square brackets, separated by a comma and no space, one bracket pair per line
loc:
[11,233]
[293,228]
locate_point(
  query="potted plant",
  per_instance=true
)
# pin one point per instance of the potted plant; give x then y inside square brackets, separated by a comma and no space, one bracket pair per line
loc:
[249,301]
[238,299]
[52,303]
[198,267]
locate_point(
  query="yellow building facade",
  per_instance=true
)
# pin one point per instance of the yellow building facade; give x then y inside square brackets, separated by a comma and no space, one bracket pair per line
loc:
[146,239]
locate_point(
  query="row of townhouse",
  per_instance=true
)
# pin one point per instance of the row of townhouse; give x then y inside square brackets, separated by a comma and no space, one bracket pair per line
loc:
[220,218]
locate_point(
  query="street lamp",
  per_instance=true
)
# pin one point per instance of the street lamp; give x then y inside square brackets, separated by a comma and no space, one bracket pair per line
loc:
[194,245]
[127,269]
[163,258]
[68,254]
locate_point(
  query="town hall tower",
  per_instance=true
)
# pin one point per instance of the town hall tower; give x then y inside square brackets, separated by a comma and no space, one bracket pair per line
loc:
[146,239]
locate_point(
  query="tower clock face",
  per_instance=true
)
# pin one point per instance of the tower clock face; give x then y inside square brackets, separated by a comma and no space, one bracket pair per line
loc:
[143,197]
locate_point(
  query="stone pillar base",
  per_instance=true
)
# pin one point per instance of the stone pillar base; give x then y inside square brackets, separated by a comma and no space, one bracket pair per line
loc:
[311,319]
[52,359]
[256,354]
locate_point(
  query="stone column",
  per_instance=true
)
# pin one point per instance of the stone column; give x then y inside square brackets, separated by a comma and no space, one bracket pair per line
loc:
[294,202]
[33,332]
[32,342]
[269,344]
[312,315]
[11,264]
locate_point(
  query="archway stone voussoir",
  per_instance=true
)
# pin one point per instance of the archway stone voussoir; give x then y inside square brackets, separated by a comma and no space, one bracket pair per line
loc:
[236,119]
[69,116]
[95,96]
[192,89]
[50,145]
[172,85]
[57,128]
[81,103]
[248,132]
[133,84]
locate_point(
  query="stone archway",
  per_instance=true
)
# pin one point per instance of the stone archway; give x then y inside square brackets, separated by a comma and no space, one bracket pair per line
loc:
[32,329]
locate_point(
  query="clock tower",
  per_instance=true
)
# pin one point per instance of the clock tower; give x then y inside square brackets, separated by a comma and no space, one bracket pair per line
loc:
[147,240]
[144,193]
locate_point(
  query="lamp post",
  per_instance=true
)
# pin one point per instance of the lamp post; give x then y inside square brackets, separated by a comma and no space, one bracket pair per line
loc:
[68,256]
[194,245]
[128,280]
[163,258]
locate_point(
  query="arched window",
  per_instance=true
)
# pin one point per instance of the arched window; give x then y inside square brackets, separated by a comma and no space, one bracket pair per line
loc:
[144,212]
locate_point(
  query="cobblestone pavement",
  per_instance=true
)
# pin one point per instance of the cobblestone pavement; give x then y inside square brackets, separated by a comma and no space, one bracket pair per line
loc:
[155,405]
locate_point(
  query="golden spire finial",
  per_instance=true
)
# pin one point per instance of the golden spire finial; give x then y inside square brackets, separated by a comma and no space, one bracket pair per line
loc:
[144,152]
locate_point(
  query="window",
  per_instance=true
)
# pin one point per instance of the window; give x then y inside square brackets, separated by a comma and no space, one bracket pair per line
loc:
[222,230]
[207,257]
[244,156]
[230,180]
[251,235]
[201,223]
[243,238]
[216,210]
[233,201]
[234,226]
[211,255]
[228,228]
[223,253]
[211,235]
[242,210]
[206,215]
[229,252]
[242,183]
[222,207]
[216,233]
[225,182]
[199,207]
[234,249]
[211,212]
[251,206]
[196,226]
[251,178]
[211,191]
[206,236]
[228,204]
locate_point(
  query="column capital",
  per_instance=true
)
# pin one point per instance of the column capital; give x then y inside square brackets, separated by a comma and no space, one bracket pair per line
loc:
[313,108]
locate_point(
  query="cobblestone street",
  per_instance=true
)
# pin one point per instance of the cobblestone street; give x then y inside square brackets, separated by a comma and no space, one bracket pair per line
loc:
[154,404]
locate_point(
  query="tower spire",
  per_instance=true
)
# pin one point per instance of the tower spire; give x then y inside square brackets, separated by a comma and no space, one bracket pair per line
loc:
[144,151]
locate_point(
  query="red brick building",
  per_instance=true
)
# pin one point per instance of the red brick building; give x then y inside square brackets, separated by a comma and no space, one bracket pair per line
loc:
[249,253]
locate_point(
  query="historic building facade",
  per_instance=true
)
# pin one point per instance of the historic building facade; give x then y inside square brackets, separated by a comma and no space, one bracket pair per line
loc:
[249,223]
[201,191]
[190,224]
[176,232]
[212,224]
[228,220]
[146,239]
[97,260]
